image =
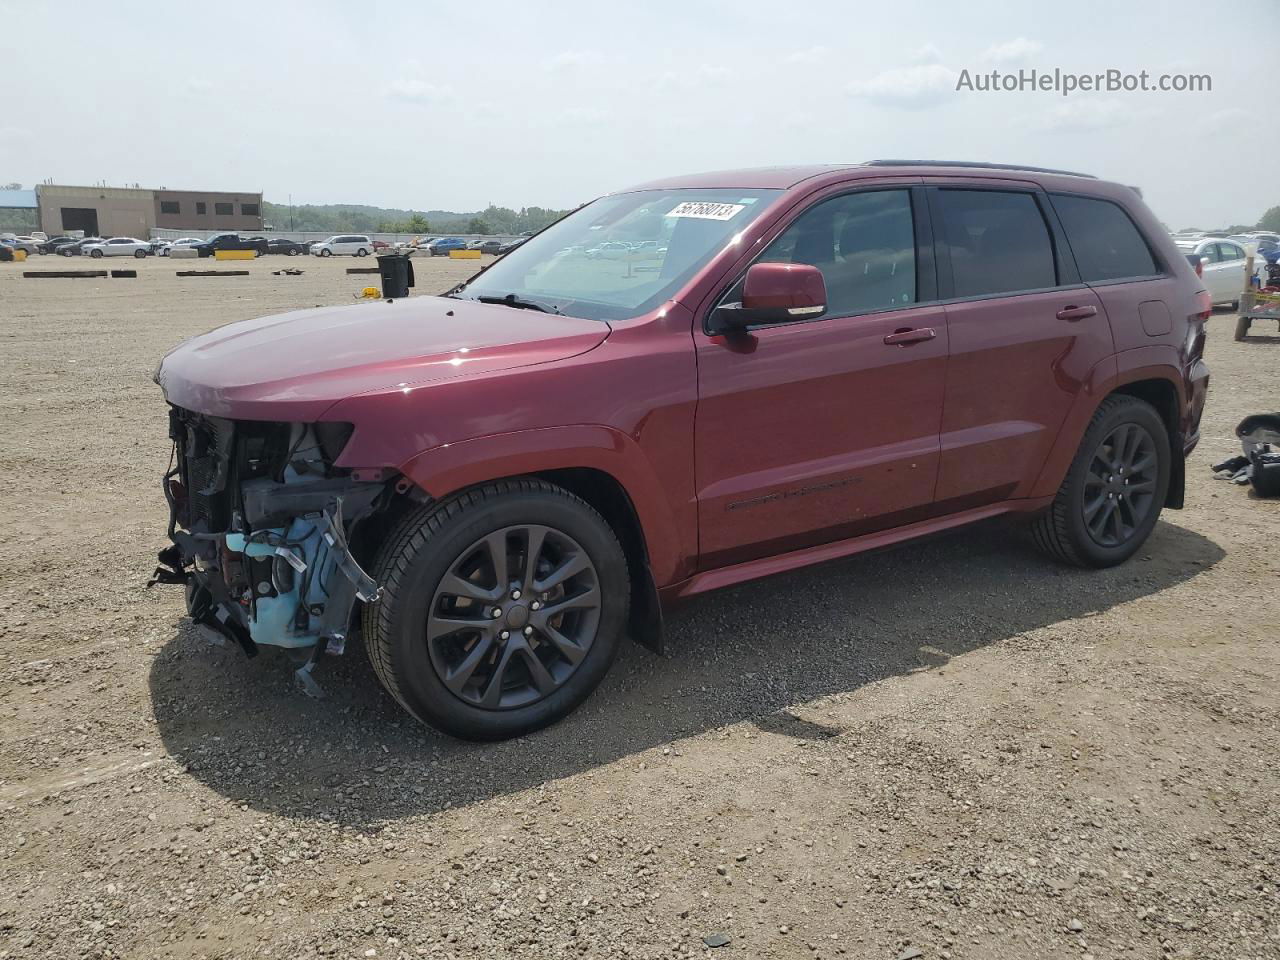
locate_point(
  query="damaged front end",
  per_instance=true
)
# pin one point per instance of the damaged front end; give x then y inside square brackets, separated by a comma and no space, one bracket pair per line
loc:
[262,524]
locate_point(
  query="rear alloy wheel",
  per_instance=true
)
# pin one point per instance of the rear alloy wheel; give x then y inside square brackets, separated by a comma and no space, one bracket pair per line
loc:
[502,609]
[293,251]
[362,252]
[1112,495]
[326,253]
[139,254]
[96,254]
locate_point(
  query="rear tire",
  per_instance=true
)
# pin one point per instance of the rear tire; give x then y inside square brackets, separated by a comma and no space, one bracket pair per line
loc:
[293,251]
[432,637]
[362,252]
[139,254]
[96,254]
[1111,497]
[326,253]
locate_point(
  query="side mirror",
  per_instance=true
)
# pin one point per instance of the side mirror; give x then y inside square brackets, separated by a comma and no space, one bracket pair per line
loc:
[773,293]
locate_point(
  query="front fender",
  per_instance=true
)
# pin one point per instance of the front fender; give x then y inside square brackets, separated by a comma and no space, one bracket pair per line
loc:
[670,530]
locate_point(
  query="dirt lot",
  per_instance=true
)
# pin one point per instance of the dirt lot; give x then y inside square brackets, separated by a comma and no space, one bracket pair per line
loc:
[956,749]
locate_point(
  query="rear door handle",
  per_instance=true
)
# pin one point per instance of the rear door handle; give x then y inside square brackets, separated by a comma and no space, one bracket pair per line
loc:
[1077,313]
[903,337]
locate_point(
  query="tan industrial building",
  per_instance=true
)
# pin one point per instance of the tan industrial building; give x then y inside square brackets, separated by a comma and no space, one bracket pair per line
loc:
[133,212]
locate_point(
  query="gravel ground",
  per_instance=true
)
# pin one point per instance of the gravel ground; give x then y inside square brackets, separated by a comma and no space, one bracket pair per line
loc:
[954,749]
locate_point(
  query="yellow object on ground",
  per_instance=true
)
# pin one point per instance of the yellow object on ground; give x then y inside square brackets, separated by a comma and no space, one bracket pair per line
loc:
[371,293]
[464,254]
[234,254]
[19,256]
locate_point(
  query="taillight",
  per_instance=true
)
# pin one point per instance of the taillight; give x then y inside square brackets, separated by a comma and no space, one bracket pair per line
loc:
[1204,305]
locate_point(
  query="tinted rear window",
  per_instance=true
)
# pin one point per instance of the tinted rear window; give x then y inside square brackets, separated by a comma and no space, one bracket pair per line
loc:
[998,242]
[1106,244]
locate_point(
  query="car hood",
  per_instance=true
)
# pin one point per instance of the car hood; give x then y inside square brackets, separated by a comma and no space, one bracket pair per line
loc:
[294,366]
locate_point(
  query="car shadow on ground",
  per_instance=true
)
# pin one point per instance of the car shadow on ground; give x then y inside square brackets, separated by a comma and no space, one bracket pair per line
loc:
[744,654]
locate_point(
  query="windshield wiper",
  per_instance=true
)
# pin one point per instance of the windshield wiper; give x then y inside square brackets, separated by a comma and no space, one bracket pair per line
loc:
[511,300]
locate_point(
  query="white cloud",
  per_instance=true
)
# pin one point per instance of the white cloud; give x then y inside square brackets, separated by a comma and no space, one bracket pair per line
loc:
[1084,115]
[703,75]
[927,54]
[1018,50]
[909,87]
[811,55]
[573,60]
[418,92]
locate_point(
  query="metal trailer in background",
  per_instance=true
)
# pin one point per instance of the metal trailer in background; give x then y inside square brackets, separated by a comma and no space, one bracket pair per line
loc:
[1254,304]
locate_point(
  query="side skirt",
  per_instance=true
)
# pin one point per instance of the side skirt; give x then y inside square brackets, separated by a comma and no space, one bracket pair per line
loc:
[781,563]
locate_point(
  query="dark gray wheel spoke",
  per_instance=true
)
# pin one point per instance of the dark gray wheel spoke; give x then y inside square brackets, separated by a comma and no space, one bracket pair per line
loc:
[496,545]
[571,567]
[459,676]
[492,696]
[588,599]
[539,676]
[533,550]
[442,625]
[468,589]
[570,650]
[1091,509]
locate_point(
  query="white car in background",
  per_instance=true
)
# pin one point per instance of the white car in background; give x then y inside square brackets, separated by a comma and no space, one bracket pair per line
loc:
[1221,267]
[180,242]
[345,244]
[118,247]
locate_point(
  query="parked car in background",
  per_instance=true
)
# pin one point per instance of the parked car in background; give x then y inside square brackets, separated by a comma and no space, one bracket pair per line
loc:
[490,246]
[29,244]
[343,245]
[156,246]
[51,245]
[118,247]
[76,247]
[917,346]
[1222,265]
[180,242]
[380,245]
[441,247]
[230,241]
[285,246]
[508,245]
[6,252]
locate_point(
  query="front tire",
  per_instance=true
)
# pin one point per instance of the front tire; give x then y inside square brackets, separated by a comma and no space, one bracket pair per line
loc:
[293,251]
[96,254]
[362,252]
[139,254]
[1113,492]
[539,556]
[326,253]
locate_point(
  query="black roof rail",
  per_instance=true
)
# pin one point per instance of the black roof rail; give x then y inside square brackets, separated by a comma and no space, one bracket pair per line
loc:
[976,163]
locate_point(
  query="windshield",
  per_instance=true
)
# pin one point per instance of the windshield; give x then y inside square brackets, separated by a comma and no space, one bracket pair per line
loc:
[621,255]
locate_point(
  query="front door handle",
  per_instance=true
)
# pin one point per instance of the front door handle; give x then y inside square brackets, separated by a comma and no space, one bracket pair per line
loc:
[1074,313]
[903,337]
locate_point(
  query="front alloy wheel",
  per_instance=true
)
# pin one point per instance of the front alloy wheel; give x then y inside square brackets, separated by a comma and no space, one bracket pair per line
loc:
[502,608]
[514,617]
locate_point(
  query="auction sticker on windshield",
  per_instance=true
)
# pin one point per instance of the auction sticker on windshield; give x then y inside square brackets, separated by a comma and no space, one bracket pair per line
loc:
[706,211]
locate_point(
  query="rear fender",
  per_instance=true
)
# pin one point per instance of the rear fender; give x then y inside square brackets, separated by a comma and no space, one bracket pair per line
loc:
[1108,376]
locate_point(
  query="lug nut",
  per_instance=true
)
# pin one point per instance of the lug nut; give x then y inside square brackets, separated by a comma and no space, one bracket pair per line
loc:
[504,635]
[528,631]
[515,594]
[497,612]
[535,605]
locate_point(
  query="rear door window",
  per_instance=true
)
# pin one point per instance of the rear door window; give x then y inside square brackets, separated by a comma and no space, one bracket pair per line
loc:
[864,244]
[1229,251]
[1106,242]
[997,240]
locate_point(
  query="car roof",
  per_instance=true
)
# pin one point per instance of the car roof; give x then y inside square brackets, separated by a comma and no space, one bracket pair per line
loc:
[783,178]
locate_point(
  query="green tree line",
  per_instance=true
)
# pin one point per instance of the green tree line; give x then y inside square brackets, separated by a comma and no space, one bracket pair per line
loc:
[337,218]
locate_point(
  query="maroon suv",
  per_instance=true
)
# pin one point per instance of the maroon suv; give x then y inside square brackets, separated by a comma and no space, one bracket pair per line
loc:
[676,388]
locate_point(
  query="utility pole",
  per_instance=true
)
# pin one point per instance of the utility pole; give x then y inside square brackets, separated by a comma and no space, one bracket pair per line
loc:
[291,213]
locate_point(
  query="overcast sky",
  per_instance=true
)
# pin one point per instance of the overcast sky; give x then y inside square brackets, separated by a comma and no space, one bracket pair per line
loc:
[438,105]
